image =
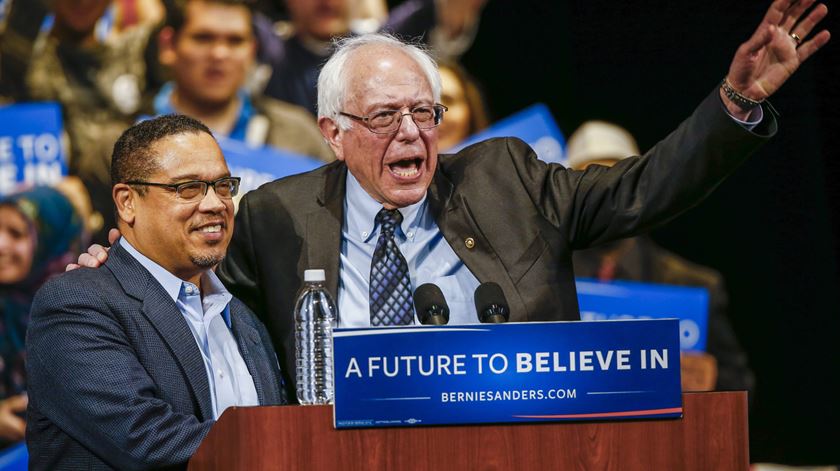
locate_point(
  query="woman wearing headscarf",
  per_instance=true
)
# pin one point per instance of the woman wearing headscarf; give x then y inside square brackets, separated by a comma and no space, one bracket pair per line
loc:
[39,233]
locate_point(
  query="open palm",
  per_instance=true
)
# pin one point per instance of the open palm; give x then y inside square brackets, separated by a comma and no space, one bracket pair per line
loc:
[777,48]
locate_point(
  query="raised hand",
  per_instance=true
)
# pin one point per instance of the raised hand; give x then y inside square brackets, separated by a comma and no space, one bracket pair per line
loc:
[778,47]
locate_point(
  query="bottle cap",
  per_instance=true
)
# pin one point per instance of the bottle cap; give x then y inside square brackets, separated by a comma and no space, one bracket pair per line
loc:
[314,275]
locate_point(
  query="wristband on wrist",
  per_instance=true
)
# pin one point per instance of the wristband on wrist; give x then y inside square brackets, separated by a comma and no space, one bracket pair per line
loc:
[745,103]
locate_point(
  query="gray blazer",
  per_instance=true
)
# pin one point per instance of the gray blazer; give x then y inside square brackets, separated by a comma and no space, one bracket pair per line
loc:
[116,379]
[525,217]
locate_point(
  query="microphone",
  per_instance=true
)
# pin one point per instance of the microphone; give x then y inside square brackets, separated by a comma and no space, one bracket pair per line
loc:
[490,303]
[431,305]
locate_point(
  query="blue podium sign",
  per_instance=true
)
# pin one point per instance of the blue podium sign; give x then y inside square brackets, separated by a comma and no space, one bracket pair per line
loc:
[534,125]
[30,146]
[632,300]
[507,373]
[258,165]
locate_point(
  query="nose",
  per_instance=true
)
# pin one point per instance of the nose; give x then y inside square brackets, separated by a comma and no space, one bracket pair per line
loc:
[211,203]
[408,130]
[219,50]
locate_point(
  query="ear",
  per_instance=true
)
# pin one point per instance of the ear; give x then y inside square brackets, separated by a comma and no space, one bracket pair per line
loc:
[166,46]
[333,135]
[125,199]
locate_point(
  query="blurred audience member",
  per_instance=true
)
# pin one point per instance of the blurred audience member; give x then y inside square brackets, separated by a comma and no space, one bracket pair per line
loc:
[131,13]
[640,259]
[367,16]
[39,234]
[91,78]
[467,113]
[210,47]
[296,57]
[17,42]
[74,190]
[100,85]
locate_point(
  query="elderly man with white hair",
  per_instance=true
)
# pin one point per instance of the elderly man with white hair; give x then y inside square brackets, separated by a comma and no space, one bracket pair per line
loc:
[391,214]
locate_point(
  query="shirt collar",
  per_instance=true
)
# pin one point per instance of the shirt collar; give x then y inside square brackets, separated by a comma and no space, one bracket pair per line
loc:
[171,283]
[212,285]
[360,211]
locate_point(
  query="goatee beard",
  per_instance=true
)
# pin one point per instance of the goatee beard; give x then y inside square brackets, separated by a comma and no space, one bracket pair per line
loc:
[206,261]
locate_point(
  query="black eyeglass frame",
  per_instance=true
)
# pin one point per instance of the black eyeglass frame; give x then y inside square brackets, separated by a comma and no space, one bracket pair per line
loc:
[176,187]
[438,108]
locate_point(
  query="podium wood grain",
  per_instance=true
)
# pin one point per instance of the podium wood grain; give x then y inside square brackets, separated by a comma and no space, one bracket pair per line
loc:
[712,435]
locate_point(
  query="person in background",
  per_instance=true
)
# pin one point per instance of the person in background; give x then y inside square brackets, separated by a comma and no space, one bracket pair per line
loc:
[75,191]
[39,232]
[466,113]
[725,364]
[295,58]
[209,46]
[132,13]
[100,84]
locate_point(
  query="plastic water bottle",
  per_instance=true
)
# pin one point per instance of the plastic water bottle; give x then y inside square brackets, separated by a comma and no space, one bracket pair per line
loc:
[315,315]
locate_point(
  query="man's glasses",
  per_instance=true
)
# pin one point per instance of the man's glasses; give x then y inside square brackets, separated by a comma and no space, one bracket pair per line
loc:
[388,121]
[195,190]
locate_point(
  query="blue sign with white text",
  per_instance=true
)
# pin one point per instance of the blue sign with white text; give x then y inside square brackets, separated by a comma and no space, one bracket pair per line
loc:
[632,300]
[258,165]
[507,373]
[30,146]
[534,125]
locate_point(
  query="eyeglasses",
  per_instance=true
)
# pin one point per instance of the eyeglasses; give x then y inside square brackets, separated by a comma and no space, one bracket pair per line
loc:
[388,121]
[195,190]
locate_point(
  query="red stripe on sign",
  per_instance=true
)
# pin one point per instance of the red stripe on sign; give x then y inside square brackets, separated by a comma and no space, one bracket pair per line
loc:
[672,410]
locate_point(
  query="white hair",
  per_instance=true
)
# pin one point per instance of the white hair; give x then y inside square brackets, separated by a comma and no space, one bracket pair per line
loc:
[335,76]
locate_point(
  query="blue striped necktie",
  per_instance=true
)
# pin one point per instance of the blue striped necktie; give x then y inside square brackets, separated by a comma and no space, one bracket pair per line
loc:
[391,302]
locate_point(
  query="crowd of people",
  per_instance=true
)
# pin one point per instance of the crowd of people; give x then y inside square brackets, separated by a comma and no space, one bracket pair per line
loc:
[383,111]
[222,62]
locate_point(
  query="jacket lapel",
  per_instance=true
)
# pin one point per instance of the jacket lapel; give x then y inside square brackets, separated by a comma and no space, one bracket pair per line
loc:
[167,320]
[452,213]
[248,340]
[323,227]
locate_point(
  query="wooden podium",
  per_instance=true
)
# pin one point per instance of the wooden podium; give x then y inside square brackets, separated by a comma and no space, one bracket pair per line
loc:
[712,435]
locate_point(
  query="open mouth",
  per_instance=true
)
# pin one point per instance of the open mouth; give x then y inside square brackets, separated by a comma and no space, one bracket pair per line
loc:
[406,168]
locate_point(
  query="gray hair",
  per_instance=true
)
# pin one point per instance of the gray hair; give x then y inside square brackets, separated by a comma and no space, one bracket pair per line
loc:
[334,77]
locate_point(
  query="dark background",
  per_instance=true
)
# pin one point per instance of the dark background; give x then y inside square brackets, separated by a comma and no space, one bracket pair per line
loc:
[771,229]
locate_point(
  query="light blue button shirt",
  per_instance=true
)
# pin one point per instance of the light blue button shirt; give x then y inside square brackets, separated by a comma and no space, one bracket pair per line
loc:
[430,259]
[209,319]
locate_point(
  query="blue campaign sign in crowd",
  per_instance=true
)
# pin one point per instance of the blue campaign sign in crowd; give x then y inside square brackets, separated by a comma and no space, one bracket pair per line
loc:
[31,151]
[30,146]
[258,165]
[534,125]
[633,300]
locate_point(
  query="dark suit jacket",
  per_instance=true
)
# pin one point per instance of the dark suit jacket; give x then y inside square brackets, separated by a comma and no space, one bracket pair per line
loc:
[116,379]
[525,217]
